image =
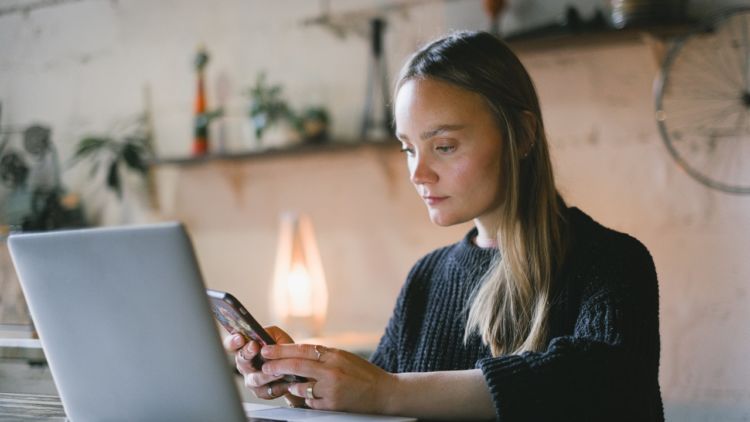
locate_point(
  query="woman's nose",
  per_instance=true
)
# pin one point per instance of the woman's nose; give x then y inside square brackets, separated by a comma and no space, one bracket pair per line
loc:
[421,171]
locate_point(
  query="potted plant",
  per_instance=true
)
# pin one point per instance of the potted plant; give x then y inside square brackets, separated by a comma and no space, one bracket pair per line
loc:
[32,195]
[312,124]
[269,109]
[119,159]
[116,154]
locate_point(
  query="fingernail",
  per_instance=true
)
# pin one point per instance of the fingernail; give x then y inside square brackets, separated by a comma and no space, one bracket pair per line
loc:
[237,340]
[266,351]
[266,369]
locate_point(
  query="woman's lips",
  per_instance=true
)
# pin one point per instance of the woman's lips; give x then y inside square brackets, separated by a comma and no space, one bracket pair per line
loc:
[434,200]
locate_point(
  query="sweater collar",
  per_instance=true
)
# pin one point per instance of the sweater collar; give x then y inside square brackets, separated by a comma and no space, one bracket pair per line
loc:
[466,253]
[470,256]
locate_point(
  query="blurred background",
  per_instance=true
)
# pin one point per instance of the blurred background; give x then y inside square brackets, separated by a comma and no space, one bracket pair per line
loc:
[228,114]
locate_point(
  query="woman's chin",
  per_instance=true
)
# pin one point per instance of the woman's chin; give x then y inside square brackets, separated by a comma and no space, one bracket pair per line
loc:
[442,220]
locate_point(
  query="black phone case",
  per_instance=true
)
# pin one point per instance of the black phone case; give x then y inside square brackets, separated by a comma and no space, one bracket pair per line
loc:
[236,319]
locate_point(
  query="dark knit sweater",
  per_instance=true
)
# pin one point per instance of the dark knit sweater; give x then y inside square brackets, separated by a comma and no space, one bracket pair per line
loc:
[602,358]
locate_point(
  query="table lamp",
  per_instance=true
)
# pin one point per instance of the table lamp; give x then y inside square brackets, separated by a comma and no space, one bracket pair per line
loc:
[299,296]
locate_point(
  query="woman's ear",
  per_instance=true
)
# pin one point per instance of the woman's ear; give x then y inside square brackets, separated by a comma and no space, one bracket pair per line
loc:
[529,128]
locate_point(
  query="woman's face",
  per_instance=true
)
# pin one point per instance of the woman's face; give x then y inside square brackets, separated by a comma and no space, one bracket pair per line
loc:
[453,146]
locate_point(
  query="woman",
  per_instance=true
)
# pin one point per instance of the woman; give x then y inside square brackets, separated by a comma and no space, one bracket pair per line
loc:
[539,313]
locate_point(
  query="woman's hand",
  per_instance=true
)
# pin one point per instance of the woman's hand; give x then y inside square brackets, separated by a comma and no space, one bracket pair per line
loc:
[339,380]
[264,386]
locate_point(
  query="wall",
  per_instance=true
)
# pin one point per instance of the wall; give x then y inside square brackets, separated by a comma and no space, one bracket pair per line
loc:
[611,162]
[81,67]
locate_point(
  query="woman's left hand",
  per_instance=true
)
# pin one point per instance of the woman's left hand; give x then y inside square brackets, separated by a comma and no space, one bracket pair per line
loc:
[339,380]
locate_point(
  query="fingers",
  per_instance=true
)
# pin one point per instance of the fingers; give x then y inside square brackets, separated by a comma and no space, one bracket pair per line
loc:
[271,391]
[264,384]
[300,367]
[233,342]
[311,392]
[293,401]
[306,390]
[257,379]
[305,360]
[244,358]
[299,351]
[279,335]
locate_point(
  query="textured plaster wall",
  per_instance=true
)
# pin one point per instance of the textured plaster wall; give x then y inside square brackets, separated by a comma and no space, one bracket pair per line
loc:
[81,67]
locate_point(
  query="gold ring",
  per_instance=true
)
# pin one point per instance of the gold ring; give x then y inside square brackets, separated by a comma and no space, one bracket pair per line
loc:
[309,392]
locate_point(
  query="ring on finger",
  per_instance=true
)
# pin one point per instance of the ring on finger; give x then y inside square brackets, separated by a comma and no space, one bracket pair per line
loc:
[309,394]
[269,390]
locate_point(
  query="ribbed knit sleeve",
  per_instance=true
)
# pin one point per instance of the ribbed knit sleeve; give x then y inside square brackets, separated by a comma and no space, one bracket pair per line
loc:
[605,370]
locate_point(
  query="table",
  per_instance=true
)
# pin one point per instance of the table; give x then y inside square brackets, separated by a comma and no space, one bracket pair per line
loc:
[38,407]
[31,407]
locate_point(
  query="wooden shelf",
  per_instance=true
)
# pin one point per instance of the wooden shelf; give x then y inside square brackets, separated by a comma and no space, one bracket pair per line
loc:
[536,40]
[563,38]
[303,149]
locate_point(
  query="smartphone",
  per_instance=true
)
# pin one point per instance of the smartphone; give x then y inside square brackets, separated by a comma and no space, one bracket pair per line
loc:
[237,320]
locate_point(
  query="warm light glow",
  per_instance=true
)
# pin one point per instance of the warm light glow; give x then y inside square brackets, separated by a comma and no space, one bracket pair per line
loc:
[299,297]
[300,292]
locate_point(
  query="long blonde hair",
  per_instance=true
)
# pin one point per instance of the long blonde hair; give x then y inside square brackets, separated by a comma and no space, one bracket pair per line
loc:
[509,309]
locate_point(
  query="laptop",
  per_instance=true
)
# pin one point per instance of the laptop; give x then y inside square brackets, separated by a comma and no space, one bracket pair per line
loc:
[124,321]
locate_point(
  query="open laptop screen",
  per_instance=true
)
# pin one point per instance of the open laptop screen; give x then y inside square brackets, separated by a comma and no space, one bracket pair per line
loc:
[124,321]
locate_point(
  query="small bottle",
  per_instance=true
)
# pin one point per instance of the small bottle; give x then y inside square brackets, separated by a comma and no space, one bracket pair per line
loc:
[200,138]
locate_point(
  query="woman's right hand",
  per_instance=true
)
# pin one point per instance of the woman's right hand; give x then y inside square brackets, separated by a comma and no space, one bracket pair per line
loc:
[264,386]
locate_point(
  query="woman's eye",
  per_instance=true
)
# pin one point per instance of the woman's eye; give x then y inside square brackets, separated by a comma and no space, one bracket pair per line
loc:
[445,148]
[407,150]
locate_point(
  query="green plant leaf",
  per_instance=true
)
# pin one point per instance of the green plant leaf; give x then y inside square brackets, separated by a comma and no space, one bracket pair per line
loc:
[131,154]
[89,145]
[113,179]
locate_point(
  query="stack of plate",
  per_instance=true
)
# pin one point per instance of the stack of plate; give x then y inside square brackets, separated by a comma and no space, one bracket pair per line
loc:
[626,13]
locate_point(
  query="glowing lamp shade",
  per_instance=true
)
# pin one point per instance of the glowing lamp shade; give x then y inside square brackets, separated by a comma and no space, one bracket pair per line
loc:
[299,296]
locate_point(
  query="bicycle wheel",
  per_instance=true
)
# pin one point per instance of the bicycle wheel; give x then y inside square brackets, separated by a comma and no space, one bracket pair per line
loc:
[703,102]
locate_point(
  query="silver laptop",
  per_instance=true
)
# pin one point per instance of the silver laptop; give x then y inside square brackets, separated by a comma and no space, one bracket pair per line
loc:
[124,320]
